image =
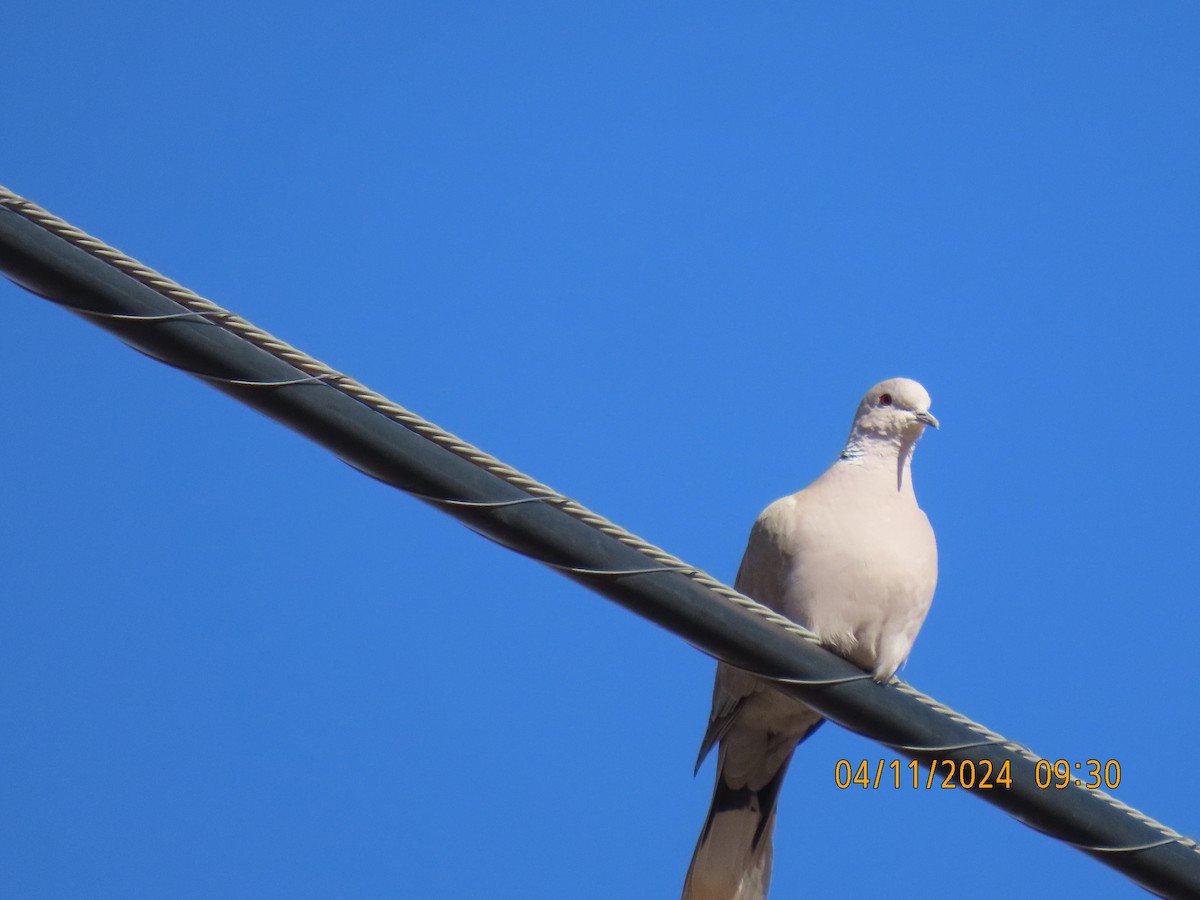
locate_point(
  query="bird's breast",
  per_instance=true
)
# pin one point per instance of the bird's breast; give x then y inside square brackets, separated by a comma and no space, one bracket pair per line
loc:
[862,578]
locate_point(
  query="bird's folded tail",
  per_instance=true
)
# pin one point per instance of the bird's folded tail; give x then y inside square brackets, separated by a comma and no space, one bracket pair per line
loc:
[733,855]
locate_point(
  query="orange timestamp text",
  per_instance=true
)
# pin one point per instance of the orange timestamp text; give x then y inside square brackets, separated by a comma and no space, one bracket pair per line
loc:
[980,775]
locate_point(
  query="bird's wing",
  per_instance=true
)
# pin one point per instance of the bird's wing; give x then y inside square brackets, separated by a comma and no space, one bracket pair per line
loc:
[761,576]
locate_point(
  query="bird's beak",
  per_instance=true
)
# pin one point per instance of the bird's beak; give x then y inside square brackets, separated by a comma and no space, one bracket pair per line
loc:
[926,417]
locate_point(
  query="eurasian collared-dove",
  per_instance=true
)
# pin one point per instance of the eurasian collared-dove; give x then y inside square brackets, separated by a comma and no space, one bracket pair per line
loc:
[851,557]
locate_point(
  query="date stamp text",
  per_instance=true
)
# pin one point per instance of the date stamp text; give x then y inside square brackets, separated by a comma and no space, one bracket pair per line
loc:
[980,775]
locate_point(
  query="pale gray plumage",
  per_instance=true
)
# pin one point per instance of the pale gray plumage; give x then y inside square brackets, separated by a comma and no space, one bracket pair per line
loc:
[851,557]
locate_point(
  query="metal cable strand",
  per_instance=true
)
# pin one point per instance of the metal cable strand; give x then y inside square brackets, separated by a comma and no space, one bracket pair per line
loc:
[360,392]
[317,371]
[1020,749]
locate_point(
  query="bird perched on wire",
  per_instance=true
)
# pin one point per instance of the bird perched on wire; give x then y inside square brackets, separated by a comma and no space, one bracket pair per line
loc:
[852,558]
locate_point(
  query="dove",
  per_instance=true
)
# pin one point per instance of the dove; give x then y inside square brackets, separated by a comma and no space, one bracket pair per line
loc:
[851,557]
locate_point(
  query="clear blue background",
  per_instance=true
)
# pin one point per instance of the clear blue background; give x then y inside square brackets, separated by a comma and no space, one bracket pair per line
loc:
[653,255]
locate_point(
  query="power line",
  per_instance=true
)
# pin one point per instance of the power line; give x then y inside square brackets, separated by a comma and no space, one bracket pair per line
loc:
[166,321]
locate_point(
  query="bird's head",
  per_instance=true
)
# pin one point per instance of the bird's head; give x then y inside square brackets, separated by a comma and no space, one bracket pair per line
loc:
[896,409]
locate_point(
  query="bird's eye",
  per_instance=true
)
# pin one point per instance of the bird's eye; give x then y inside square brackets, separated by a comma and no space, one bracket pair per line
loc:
[885,399]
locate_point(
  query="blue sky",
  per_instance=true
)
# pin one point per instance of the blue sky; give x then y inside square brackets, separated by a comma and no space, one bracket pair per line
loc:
[653,255]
